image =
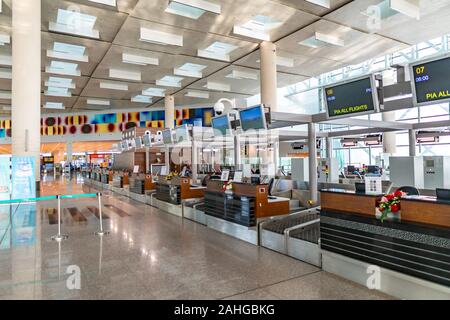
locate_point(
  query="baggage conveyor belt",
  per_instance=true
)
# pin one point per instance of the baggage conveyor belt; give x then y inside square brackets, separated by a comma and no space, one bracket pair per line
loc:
[296,235]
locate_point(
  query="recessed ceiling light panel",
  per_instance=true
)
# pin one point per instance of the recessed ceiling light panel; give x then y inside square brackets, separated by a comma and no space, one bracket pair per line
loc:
[54,105]
[322,3]
[217,86]
[240,75]
[73,22]
[154,92]
[63,68]
[139,60]
[218,51]
[197,94]
[126,75]
[98,102]
[160,37]
[113,86]
[190,70]
[169,81]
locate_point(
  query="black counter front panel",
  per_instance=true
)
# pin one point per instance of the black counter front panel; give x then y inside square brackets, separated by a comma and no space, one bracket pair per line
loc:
[104,178]
[168,193]
[416,250]
[137,186]
[237,209]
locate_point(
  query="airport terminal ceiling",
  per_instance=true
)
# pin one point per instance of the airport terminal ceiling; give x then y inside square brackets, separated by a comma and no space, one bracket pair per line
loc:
[116,58]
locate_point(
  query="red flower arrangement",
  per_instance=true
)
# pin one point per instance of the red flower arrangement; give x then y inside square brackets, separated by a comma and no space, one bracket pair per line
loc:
[227,186]
[390,204]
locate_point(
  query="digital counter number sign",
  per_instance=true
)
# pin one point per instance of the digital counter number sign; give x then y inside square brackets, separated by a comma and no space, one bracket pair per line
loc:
[351,98]
[432,81]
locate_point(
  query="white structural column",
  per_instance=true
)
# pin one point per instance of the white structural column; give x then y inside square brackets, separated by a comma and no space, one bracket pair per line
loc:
[170,111]
[412,143]
[69,152]
[26,79]
[389,138]
[269,75]
[329,146]
[170,123]
[312,147]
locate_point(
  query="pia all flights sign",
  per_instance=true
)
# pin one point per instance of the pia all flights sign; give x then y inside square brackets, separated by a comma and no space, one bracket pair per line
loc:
[431,81]
[355,97]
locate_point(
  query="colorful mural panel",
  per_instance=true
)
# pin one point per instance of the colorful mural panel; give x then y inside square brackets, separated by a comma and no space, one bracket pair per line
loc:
[107,123]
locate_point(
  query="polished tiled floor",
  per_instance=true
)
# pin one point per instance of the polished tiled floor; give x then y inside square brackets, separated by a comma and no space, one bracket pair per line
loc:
[150,255]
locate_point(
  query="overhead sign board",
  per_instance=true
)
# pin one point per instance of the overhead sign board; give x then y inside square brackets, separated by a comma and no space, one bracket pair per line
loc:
[352,98]
[431,81]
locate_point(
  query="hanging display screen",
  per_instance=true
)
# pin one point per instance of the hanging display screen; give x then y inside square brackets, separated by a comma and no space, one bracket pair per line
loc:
[182,134]
[351,98]
[431,81]
[167,137]
[253,119]
[147,139]
[221,125]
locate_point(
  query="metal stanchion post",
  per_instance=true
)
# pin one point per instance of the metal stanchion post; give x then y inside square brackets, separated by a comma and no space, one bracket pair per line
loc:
[100,215]
[59,237]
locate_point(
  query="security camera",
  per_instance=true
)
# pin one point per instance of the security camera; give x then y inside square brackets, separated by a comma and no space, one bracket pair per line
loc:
[220,108]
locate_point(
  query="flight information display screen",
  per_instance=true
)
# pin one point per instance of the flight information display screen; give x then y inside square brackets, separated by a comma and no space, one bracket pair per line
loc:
[431,81]
[351,98]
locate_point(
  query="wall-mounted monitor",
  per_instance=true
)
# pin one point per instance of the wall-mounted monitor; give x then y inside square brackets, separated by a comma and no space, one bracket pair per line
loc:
[253,118]
[167,137]
[354,97]
[222,125]
[147,140]
[182,134]
[430,80]
[138,143]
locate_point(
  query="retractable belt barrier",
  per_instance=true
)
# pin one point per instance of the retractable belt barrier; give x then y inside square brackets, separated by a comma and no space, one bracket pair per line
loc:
[60,237]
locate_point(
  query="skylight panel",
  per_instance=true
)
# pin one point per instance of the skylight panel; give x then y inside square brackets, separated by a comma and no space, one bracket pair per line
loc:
[160,37]
[113,86]
[258,27]
[111,3]
[5,73]
[154,92]
[98,102]
[321,39]
[218,50]
[63,68]
[60,83]
[139,60]
[67,51]
[197,94]
[322,3]
[5,39]
[54,105]
[141,99]
[190,70]
[126,75]
[73,22]
[192,9]
[241,75]
[170,81]
[184,10]
[217,86]
[58,92]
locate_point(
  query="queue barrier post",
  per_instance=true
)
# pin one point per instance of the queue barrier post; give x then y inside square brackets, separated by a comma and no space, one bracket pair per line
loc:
[59,237]
[101,232]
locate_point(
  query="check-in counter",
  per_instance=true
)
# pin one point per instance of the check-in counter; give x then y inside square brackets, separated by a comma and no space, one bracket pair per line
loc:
[140,184]
[412,252]
[177,189]
[245,205]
